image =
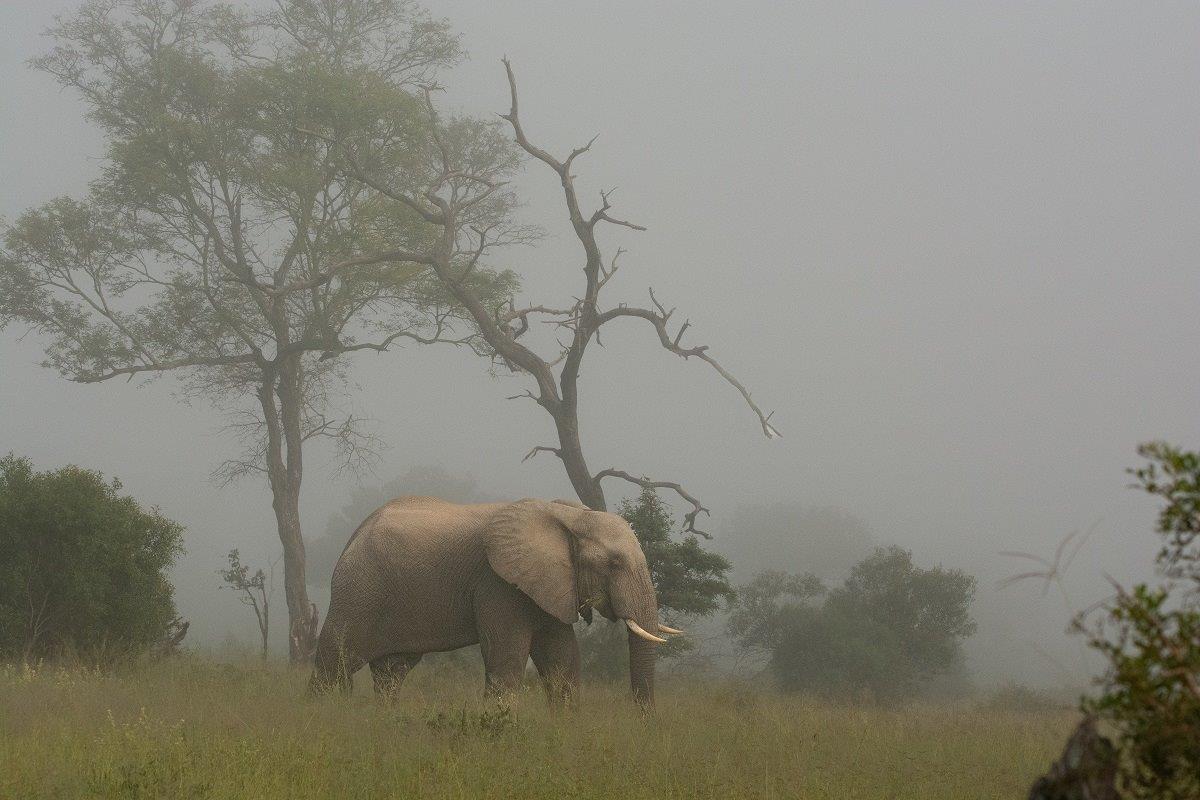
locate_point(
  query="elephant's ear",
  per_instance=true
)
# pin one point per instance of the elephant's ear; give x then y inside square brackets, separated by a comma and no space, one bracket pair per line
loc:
[528,545]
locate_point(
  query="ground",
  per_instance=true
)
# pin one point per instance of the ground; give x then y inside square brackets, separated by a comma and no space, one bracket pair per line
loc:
[192,728]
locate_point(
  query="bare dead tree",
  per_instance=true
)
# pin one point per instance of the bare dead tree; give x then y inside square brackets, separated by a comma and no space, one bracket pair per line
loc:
[449,204]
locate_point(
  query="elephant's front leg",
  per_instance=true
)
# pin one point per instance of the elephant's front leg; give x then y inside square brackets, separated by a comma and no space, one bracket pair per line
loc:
[505,621]
[555,652]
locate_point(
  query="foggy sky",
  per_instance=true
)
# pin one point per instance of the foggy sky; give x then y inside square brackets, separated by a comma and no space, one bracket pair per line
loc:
[952,245]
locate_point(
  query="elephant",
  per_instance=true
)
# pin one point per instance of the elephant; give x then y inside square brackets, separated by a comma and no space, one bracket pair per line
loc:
[424,575]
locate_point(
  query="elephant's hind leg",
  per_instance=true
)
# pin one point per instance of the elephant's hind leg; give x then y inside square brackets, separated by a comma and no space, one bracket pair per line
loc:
[555,653]
[390,671]
[335,666]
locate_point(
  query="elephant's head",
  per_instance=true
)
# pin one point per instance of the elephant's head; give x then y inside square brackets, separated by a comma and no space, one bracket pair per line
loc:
[571,561]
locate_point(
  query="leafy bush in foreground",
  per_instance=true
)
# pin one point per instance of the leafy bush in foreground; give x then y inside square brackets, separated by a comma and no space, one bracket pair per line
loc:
[1150,637]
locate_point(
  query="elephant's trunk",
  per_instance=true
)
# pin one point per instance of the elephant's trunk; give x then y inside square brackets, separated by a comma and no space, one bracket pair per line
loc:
[642,644]
[633,600]
[641,669]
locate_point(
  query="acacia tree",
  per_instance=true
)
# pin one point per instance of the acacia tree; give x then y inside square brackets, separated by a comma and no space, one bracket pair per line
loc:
[460,243]
[222,242]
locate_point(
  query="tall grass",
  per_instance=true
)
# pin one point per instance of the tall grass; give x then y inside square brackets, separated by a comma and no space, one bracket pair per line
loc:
[188,728]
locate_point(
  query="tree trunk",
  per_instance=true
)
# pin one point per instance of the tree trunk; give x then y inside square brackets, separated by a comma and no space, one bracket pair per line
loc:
[570,450]
[265,624]
[37,617]
[301,612]
[284,473]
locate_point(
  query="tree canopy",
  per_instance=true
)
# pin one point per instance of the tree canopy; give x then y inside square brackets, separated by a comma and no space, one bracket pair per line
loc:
[761,606]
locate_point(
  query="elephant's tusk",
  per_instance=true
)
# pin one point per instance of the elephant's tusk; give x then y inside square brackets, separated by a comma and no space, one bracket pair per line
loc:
[650,637]
[668,629]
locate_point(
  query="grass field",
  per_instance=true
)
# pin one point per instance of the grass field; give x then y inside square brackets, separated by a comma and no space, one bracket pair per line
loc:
[193,729]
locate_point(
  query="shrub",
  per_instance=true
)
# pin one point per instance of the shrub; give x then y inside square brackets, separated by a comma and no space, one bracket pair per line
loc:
[830,652]
[887,630]
[82,568]
[1150,637]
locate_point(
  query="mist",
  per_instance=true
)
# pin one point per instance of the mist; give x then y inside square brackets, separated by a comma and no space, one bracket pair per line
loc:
[951,246]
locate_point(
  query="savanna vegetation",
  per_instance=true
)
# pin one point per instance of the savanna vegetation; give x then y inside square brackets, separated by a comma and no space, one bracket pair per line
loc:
[193,728]
[146,724]
[278,191]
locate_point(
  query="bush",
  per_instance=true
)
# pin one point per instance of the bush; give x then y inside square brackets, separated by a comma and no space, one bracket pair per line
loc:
[926,609]
[1150,637]
[885,632]
[763,607]
[82,568]
[827,651]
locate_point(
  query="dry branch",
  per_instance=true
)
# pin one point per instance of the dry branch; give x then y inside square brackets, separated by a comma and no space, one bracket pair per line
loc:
[689,519]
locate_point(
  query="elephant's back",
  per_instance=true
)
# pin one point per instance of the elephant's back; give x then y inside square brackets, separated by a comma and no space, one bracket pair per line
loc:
[414,531]
[407,569]
[417,521]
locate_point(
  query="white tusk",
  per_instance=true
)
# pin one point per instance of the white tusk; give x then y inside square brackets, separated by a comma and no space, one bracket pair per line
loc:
[650,637]
[668,629]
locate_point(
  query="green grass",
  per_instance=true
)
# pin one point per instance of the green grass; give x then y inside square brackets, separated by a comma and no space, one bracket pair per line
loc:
[187,728]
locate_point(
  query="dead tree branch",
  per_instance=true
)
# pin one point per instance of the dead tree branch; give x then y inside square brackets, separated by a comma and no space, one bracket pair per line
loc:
[689,519]
[541,449]
[659,319]
[460,241]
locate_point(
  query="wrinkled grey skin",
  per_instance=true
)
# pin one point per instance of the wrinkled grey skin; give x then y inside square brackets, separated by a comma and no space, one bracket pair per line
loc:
[422,575]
